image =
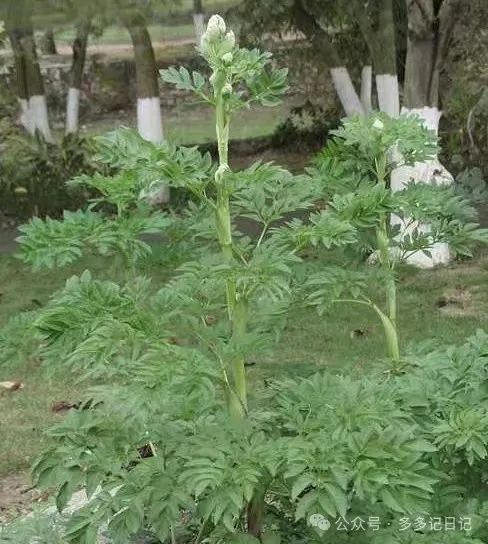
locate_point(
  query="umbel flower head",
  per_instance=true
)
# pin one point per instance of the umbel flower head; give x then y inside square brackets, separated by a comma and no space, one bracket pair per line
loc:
[216,41]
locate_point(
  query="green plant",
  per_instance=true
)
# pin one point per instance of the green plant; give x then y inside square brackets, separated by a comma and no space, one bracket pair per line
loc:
[356,168]
[33,174]
[117,216]
[38,528]
[307,127]
[174,437]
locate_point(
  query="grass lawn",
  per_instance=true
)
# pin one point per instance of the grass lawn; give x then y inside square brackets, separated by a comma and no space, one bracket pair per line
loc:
[115,34]
[195,124]
[309,343]
[164,31]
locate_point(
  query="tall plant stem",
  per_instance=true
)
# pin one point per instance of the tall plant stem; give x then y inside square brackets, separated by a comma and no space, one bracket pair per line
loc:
[237,307]
[391,299]
[391,336]
[255,513]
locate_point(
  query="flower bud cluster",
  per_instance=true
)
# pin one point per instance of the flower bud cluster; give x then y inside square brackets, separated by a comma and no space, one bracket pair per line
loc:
[217,43]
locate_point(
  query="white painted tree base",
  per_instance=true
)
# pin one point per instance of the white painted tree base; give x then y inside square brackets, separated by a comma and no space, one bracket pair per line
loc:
[199,24]
[366,88]
[426,172]
[72,110]
[24,117]
[150,127]
[149,123]
[388,95]
[346,92]
[39,116]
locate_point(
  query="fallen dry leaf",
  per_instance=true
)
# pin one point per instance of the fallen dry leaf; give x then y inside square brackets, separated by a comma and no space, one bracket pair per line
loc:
[12,386]
[61,406]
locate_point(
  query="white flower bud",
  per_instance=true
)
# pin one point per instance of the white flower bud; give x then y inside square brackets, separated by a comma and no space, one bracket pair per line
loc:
[215,28]
[227,58]
[204,43]
[230,38]
[227,89]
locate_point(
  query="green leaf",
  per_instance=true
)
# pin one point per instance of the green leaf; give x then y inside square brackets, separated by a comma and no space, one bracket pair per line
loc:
[305,503]
[301,484]
[63,496]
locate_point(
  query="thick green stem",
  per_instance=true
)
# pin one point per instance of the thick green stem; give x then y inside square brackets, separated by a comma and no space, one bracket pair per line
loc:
[387,265]
[237,308]
[222,128]
[391,336]
[255,514]
[239,326]
[391,300]
[389,328]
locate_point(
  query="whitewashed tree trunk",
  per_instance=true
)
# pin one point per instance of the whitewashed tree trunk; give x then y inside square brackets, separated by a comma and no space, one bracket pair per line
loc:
[366,88]
[39,115]
[15,35]
[149,124]
[24,117]
[199,25]
[346,92]
[72,110]
[149,121]
[80,44]
[425,172]
[388,94]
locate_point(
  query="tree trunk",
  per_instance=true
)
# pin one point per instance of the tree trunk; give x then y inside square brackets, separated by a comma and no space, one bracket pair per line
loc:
[346,92]
[30,87]
[76,76]
[378,30]
[429,34]
[20,79]
[388,94]
[366,88]
[35,86]
[198,20]
[47,44]
[149,123]
[307,23]
[421,51]
[425,172]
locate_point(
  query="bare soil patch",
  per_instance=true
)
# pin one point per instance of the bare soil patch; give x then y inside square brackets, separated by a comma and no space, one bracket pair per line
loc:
[17,496]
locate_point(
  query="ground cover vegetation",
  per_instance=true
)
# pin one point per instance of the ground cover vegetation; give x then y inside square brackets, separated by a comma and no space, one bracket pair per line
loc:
[175,440]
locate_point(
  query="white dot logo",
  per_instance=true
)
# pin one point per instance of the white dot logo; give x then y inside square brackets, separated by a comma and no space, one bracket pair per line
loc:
[319,522]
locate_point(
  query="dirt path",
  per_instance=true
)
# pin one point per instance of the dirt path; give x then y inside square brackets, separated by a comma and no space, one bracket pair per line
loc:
[121,49]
